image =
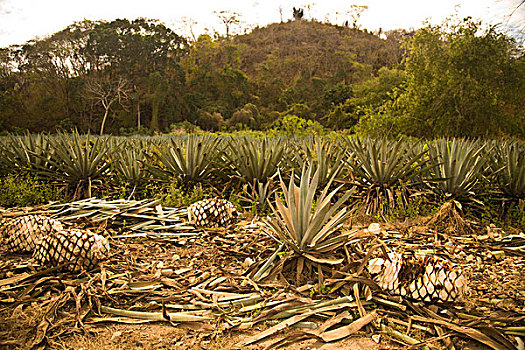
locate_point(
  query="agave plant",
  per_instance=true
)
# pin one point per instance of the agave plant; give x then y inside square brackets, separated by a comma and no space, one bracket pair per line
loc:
[386,172]
[458,169]
[324,155]
[293,158]
[312,234]
[191,159]
[508,166]
[255,158]
[258,194]
[128,165]
[25,153]
[255,162]
[80,163]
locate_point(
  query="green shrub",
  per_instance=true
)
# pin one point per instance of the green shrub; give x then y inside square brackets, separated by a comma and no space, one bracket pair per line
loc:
[174,195]
[417,206]
[292,125]
[516,216]
[26,190]
[210,121]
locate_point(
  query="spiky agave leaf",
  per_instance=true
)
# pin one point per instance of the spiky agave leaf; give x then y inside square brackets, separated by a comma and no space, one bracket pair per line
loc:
[258,193]
[309,232]
[25,153]
[255,162]
[191,159]
[78,162]
[508,166]
[459,168]
[293,159]
[128,165]
[325,155]
[73,249]
[255,159]
[386,172]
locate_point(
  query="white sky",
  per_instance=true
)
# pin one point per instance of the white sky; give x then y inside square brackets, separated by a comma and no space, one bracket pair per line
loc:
[22,20]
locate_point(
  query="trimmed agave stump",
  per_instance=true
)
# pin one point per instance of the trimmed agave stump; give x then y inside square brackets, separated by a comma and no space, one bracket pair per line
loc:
[212,213]
[24,233]
[426,278]
[74,250]
[52,245]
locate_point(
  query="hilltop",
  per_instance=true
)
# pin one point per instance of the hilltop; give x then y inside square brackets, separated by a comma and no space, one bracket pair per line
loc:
[317,49]
[458,79]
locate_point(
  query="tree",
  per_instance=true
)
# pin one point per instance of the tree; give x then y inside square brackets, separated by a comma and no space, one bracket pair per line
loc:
[187,26]
[355,13]
[215,81]
[107,93]
[339,118]
[135,50]
[463,80]
[298,14]
[53,72]
[248,116]
[228,18]
[210,121]
[158,86]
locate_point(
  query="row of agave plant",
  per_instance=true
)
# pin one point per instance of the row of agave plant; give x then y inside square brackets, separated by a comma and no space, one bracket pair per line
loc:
[373,175]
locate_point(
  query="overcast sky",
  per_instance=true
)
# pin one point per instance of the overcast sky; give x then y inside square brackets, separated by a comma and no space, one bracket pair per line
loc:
[22,20]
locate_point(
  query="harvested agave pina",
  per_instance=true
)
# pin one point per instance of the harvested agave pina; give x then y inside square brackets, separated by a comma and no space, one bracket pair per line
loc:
[212,213]
[24,233]
[426,278]
[75,249]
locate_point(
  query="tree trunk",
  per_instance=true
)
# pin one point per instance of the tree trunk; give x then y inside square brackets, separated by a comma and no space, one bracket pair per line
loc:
[154,115]
[138,115]
[104,121]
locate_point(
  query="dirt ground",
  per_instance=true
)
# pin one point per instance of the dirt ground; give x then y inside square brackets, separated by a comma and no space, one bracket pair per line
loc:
[159,336]
[182,263]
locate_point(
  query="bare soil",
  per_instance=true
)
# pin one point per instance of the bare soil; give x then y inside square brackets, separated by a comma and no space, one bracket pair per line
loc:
[57,310]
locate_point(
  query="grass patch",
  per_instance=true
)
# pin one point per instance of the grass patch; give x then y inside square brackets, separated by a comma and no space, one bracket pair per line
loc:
[26,190]
[176,195]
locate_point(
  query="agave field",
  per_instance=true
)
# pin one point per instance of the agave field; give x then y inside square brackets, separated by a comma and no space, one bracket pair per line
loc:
[374,243]
[381,174]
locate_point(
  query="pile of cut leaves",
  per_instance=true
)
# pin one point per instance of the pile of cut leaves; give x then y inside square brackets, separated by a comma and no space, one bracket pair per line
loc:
[207,281]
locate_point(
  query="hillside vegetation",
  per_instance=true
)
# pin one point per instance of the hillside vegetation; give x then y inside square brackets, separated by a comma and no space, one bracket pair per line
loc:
[119,77]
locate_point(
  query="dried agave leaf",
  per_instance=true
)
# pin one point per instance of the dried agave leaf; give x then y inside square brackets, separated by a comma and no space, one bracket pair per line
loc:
[289,322]
[467,331]
[155,316]
[345,331]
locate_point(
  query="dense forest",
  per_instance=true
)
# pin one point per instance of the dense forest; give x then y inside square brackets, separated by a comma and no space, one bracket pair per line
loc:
[461,78]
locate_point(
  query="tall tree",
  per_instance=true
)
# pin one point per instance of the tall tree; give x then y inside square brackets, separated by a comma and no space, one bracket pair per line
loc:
[228,18]
[215,80]
[158,86]
[463,80]
[107,94]
[135,50]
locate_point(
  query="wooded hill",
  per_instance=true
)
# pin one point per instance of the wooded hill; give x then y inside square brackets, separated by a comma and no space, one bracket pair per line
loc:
[459,79]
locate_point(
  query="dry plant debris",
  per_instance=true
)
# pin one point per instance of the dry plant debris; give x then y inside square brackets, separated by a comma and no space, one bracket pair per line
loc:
[204,281]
